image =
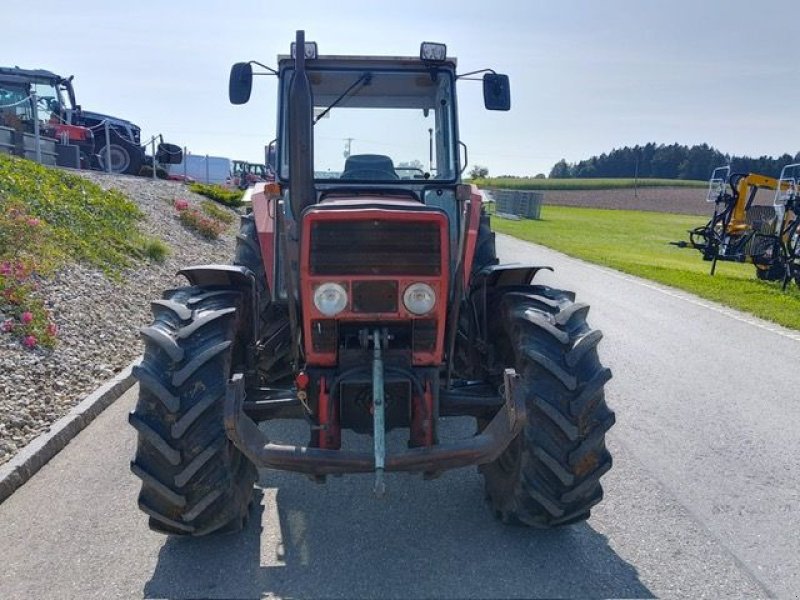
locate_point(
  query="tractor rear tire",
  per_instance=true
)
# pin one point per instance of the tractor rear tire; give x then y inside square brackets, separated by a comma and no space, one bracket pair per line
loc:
[194,480]
[550,474]
[275,328]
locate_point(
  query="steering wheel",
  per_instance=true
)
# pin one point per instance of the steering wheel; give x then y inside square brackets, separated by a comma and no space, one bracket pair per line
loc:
[369,174]
[51,104]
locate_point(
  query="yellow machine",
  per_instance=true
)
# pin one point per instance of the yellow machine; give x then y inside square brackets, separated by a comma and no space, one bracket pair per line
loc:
[737,227]
[780,258]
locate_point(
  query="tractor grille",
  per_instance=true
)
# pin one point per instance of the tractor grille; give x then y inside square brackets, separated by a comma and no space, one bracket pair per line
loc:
[375,247]
[374,296]
[424,335]
[323,335]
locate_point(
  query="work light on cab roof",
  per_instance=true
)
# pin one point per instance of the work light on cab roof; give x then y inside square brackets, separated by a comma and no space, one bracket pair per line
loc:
[432,52]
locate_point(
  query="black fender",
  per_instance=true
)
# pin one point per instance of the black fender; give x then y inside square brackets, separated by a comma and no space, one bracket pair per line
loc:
[506,275]
[475,324]
[229,276]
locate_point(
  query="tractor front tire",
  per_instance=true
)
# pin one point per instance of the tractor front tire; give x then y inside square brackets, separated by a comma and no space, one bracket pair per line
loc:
[550,474]
[194,480]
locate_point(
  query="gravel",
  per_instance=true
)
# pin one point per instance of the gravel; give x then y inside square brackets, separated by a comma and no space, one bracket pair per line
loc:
[98,318]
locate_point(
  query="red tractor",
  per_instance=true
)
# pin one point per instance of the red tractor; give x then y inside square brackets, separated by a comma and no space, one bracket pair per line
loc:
[365,301]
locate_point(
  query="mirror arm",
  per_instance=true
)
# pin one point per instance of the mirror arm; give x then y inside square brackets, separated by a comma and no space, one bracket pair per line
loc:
[466,75]
[263,66]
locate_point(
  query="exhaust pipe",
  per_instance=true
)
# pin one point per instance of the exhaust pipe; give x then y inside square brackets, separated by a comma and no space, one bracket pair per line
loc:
[301,134]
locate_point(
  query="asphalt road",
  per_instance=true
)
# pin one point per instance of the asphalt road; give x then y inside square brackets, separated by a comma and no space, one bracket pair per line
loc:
[703,499]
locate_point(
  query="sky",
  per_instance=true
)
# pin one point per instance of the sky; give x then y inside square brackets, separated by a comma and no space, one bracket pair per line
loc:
[586,76]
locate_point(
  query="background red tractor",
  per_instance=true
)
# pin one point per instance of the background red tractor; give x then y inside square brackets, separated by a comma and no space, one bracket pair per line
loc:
[365,301]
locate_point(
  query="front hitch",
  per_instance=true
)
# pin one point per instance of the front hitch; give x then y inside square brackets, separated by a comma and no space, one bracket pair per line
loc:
[378,412]
[476,450]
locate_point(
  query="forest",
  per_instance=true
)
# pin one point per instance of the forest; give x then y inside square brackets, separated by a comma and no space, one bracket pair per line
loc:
[673,161]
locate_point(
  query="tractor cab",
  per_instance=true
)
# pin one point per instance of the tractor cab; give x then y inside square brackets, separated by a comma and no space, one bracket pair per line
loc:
[371,122]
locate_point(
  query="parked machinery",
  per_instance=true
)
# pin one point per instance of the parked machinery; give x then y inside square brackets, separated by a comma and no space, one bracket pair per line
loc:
[246,174]
[780,259]
[20,109]
[361,301]
[123,146]
[737,228]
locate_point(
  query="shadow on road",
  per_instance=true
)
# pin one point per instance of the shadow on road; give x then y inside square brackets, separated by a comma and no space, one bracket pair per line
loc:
[429,540]
[426,539]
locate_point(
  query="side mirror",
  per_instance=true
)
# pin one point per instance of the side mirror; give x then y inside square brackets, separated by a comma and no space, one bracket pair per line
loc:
[169,154]
[241,83]
[496,92]
[269,155]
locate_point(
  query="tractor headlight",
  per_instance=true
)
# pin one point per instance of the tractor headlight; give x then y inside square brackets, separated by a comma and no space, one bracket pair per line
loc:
[419,298]
[330,299]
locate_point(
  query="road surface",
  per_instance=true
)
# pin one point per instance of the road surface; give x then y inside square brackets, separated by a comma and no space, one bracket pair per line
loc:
[703,499]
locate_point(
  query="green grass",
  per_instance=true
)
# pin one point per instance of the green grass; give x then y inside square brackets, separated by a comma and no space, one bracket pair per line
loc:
[530,183]
[81,221]
[218,193]
[637,243]
[214,210]
[156,250]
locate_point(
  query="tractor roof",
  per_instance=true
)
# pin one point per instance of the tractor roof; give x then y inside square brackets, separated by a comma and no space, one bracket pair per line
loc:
[373,61]
[34,75]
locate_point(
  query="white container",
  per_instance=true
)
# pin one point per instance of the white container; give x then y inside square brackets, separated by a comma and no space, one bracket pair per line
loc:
[204,169]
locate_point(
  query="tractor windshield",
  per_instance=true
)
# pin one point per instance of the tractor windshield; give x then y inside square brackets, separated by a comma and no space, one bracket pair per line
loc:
[379,125]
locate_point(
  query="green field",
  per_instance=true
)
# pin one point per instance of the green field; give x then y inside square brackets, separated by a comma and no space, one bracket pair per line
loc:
[638,243]
[530,183]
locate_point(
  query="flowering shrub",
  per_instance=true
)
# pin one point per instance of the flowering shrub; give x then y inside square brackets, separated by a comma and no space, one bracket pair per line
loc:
[22,312]
[192,218]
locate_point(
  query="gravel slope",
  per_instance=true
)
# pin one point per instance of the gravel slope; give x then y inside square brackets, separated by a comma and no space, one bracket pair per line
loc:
[98,318]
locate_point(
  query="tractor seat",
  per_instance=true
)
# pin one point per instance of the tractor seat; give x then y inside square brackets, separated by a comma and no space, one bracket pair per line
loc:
[374,167]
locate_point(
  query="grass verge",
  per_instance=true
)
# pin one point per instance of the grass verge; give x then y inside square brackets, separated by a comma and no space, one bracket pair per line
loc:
[49,218]
[637,243]
[218,193]
[80,220]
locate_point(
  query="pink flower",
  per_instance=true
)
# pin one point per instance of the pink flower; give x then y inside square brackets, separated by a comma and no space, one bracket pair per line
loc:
[5,268]
[52,329]
[181,204]
[26,317]
[33,221]
[8,325]
[20,270]
[29,341]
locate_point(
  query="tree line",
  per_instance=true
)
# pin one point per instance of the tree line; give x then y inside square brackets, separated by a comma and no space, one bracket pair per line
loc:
[673,161]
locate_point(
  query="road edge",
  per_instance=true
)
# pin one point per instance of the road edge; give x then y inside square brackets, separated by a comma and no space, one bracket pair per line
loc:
[41,449]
